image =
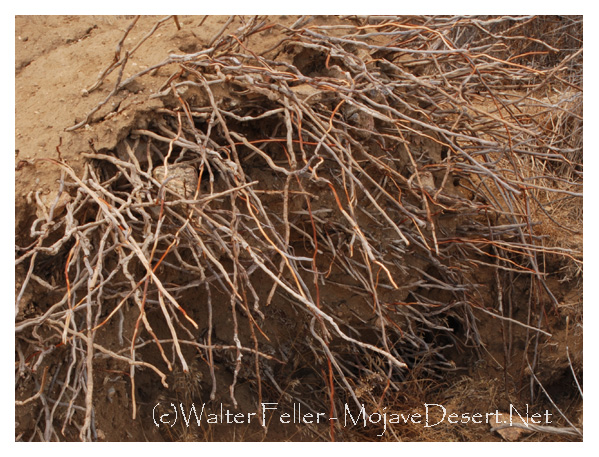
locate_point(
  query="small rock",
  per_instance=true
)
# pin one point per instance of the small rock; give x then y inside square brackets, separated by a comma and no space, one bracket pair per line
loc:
[182,178]
[509,433]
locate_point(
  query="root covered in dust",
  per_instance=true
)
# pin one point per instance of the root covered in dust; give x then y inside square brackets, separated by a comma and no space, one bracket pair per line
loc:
[312,218]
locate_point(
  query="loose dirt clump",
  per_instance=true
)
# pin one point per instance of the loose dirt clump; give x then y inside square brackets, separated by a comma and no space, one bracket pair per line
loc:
[278,223]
